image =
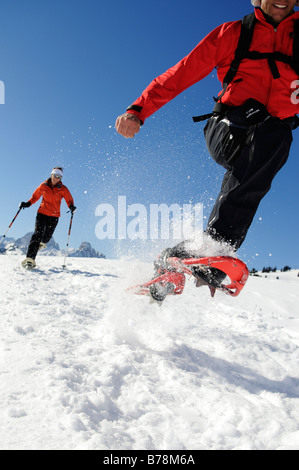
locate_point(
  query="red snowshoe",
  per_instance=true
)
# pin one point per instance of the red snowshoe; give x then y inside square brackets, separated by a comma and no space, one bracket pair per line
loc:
[210,271]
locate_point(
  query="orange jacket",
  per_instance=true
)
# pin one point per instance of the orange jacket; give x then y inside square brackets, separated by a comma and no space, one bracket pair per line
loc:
[254,78]
[52,196]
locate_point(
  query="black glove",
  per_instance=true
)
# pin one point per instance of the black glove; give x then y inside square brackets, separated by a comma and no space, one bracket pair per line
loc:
[23,205]
[72,208]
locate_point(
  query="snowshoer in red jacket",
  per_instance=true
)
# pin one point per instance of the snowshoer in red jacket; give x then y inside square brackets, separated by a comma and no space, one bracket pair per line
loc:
[250,130]
[52,192]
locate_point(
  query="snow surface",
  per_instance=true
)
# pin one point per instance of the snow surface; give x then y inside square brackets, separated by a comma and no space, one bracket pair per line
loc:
[86,365]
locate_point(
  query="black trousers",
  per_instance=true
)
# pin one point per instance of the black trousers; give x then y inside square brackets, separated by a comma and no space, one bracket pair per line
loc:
[248,178]
[44,229]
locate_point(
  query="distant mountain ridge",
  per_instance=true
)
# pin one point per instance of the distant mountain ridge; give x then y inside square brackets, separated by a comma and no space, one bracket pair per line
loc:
[19,246]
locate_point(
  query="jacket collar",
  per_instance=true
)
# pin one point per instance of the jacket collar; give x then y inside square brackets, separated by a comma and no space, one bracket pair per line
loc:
[48,183]
[264,18]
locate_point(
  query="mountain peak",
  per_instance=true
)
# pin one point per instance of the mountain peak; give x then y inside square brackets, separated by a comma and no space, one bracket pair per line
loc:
[19,246]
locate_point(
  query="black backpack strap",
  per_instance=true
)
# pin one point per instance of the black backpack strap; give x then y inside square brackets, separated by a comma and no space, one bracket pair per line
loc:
[273,57]
[242,52]
[203,117]
[247,28]
[219,109]
[245,39]
[296,47]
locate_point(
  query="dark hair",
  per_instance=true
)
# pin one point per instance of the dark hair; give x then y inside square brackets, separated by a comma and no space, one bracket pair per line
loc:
[58,168]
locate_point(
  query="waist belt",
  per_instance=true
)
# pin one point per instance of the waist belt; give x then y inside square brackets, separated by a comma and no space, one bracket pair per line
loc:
[219,108]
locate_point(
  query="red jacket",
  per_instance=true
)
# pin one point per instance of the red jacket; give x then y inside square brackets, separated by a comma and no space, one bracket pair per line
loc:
[52,196]
[254,79]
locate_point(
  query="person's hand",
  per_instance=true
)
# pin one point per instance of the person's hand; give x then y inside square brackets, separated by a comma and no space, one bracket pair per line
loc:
[127,125]
[72,208]
[23,205]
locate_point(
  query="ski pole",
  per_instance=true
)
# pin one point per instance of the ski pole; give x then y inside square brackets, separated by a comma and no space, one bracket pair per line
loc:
[11,224]
[68,238]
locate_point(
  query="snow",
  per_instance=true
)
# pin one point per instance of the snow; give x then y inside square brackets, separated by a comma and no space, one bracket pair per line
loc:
[86,365]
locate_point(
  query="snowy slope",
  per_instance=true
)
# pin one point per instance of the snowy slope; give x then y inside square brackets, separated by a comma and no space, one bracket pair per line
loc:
[86,365]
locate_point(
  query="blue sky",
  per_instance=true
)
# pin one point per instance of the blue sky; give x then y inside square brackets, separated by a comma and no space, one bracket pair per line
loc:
[70,68]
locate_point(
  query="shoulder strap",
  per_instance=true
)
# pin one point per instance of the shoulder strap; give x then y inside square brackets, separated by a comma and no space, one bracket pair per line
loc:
[242,52]
[245,39]
[296,47]
[247,28]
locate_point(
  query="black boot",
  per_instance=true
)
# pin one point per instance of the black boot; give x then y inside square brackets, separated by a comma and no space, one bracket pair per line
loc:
[211,276]
[161,266]
[160,290]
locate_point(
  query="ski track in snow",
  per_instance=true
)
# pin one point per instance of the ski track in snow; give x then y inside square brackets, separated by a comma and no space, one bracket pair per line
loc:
[87,365]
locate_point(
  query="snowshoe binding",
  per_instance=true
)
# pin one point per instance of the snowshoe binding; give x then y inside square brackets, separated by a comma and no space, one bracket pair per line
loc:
[28,263]
[168,283]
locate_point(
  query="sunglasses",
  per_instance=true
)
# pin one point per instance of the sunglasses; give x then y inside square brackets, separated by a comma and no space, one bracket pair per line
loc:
[57,177]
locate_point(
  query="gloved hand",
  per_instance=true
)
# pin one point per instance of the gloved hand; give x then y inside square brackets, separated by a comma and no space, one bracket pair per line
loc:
[23,205]
[72,208]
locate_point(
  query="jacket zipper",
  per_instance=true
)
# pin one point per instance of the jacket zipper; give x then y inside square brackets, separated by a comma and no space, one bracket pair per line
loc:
[270,87]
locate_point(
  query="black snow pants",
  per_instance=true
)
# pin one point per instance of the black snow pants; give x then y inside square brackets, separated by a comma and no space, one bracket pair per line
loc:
[44,229]
[248,178]
[252,155]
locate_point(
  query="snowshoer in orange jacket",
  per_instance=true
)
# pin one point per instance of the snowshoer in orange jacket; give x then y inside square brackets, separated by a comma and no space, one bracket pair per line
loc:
[249,131]
[52,192]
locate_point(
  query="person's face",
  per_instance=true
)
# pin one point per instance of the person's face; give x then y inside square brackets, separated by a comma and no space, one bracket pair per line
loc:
[278,10]
[55,179]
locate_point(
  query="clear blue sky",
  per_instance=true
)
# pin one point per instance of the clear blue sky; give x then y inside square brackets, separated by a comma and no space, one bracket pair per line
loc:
[69,68]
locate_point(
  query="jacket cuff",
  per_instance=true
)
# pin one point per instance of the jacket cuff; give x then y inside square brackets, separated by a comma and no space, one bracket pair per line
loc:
[136,110]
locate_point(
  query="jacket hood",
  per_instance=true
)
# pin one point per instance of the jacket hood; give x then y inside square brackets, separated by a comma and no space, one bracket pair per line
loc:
[257,3]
